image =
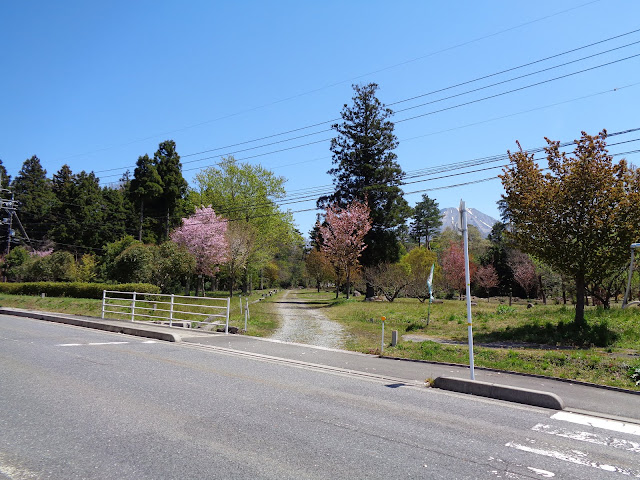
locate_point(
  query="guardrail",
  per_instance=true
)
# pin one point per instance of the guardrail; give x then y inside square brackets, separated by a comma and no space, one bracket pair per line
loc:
[166,309]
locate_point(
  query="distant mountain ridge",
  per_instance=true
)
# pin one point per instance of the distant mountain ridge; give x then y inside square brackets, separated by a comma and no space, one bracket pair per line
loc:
[451,219]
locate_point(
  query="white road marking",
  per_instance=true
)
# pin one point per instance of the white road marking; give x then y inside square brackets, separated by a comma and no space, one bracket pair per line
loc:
[97,343]
[574,456]
[589,437]
[544,473]
[614,425]
[15,472]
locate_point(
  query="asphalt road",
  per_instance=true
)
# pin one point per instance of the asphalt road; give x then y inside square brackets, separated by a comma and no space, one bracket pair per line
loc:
[77,403]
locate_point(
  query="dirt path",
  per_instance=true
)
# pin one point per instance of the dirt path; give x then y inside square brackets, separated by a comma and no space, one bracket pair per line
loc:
[302,323]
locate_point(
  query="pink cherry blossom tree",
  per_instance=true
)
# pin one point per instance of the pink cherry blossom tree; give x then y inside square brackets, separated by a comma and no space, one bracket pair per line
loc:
[343,238]
[487,278]
[453,271]
[203,234]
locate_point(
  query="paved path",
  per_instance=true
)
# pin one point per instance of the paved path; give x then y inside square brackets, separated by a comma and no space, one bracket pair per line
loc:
[302,323]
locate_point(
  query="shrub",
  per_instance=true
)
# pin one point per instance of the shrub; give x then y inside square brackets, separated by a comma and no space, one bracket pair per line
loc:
[73,289]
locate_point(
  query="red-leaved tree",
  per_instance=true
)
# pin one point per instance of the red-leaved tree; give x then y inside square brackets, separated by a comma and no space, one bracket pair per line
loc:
[203,234]
[487,278]
[343,237]
[452,264]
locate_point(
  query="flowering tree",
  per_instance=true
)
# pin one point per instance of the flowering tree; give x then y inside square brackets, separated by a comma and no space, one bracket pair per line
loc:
[203,234]
[452,264]
[343,237]
[524,271]
[487,278]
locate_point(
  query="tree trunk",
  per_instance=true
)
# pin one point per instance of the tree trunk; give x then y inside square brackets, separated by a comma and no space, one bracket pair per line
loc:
[544,297]
[370,292]
[348,283]
[187,288]
[580,294]
[167,226]
[141,220]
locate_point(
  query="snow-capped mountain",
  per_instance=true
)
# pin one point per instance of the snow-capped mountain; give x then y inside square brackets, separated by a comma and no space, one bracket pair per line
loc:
[451,219]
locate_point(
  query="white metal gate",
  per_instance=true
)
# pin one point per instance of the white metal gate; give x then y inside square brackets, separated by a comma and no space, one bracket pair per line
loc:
[166,309]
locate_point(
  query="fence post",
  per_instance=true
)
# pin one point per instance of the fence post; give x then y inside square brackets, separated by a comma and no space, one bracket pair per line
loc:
[226,327]
[104,296]
[171,312]
[133,307]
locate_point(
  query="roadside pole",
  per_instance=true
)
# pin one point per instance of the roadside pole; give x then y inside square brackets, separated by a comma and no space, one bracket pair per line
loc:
[465,235]
[382,342]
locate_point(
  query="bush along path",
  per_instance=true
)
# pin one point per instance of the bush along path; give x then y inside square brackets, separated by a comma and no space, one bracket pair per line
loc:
[300,322]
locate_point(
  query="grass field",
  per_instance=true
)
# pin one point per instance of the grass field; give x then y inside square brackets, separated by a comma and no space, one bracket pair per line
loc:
[540,340]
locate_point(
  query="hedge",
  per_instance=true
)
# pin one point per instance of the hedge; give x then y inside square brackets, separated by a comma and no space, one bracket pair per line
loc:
[73,289]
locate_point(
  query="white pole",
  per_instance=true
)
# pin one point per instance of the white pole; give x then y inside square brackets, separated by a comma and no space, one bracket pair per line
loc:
[467,279]
[104,299]
[382,342]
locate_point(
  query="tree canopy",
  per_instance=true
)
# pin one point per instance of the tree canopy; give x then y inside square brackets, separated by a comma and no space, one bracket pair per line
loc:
[366,170]
[580,217]
[426,220]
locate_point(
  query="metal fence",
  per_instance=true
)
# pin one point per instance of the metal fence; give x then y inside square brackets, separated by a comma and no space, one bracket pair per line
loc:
[167,309]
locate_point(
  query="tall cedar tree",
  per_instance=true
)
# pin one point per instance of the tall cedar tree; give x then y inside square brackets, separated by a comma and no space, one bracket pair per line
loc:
[366,170]
[146,187]
[426,220]
[32,189]
[579,218]
[174,186]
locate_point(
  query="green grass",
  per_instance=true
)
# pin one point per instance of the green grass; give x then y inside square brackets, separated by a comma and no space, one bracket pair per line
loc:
[541,340]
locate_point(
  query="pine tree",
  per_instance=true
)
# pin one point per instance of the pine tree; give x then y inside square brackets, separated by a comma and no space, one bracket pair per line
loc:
[426,220]
[174,186]
[33,190]
[366,170]
[146,187]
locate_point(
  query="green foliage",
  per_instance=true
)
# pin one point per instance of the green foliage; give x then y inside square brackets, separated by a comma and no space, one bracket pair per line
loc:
[174,187]
[505,310]
[426,220]
[581,217]
[111,252]
[173,263]
[73,289]
[33,190]
[135,264]
[247,195]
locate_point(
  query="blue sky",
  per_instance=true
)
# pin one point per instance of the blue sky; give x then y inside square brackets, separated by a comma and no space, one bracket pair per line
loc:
[97,84]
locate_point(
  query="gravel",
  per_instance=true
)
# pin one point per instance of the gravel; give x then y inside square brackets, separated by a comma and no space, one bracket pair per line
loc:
[302,323]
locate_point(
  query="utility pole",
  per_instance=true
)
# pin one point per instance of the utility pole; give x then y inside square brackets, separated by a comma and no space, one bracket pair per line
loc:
[10,207]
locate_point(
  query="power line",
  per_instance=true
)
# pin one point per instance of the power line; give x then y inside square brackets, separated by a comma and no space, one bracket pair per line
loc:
[309,92]
[225,148]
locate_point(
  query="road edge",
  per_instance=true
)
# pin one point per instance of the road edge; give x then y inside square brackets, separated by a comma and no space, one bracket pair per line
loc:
[536,398]
[98,324]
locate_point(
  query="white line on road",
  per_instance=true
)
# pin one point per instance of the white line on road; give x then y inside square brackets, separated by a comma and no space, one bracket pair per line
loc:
[15,472]
[614,425]
[97,343]
[588,437]
[544,473]
[573,456]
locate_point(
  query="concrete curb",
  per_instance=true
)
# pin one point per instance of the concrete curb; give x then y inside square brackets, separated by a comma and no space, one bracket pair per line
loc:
[128,329]
[536,398]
